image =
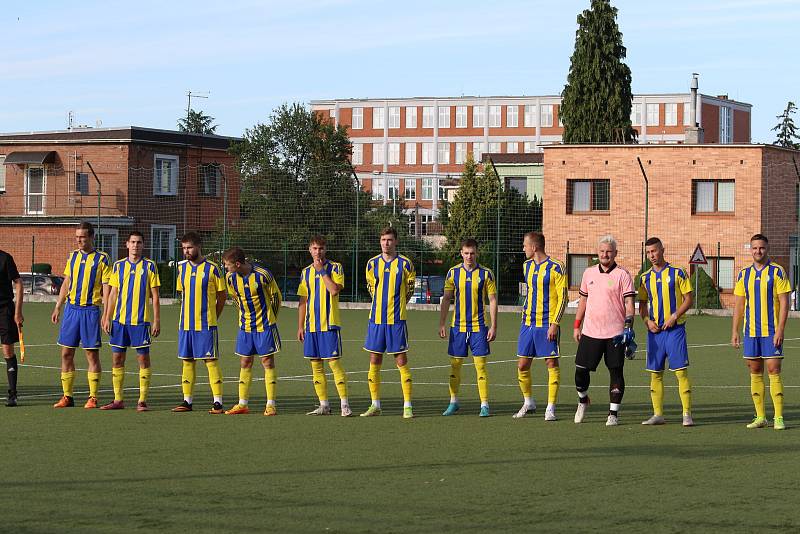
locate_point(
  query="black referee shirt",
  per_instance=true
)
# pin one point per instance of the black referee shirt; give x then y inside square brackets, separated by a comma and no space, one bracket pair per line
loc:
[8,273]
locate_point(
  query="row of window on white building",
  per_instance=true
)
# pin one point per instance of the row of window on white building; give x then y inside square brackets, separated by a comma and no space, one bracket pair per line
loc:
[434,152]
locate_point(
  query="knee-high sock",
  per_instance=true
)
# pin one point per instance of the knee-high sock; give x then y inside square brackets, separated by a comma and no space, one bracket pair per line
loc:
[776,391]
[11,373]
[118,381]
[187,379]
[271,383]
[553,383]
[483,378]
[144,383]
[684,389]
[214,377]
[374,379]
[94,383]
[455,376]
[245,377]
[67,379]
[524,380]
[405,381]
[340,377]
[320,382]
[657,392]
[757,390]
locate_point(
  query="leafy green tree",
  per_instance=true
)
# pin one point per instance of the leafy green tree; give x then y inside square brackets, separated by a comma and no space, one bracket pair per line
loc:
[596,104]
[197,122]
[474,208]
[786,130]
[707,294]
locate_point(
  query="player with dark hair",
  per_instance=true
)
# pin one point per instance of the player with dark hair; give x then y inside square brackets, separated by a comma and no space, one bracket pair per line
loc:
[11,319]
[665,295]
[762,297]
[604,327]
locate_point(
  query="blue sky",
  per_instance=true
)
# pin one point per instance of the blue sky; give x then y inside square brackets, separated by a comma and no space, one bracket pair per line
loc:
[131,63]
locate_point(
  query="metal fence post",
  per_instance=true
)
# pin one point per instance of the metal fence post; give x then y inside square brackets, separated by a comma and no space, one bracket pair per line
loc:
[33,252]
[285,265]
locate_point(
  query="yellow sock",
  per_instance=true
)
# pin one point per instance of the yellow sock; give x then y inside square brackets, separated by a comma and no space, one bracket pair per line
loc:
[455,376]
[94,383]
[271,382]
[374,379]
[776,391]
[553,383]
[483,378]
[405,381]
[187,378]
[320,382]
[524,379]
[657,392]
[757,392]
[340,377]
[684,389]
[214,377]
[245,377]
[118,381]
[67,379]
[144,383]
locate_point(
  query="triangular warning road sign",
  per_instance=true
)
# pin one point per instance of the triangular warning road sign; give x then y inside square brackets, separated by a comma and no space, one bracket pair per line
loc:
[698,258]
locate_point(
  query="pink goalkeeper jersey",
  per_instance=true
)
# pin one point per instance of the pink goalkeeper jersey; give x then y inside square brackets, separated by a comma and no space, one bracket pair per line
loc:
[605,293]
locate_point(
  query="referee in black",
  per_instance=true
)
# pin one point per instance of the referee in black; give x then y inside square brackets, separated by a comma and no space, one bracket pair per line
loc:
[10,319]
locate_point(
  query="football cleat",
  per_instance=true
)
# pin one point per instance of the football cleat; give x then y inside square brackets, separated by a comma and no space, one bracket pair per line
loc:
[408,413]
[65,402]
[91,403]
[687,420]
[550,414]
[452,408]
[346,411]
[525,410]
[270,410]
[141,406]
[183,407]
[372,411]
[113,405]
[612,420]
[239,409]
[655,420]
[778,424]
[320,410]
[216,409]
[484,412]
[758,422]
[11,401]
[580,412]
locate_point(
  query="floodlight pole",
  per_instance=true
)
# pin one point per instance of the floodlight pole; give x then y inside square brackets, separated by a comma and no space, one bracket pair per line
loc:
[497,236]
[99,193]
[646,201]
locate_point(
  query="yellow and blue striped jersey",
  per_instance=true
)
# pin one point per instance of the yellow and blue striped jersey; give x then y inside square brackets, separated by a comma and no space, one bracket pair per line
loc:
[761,288]
[546,297]
[199,285]
[135,282]
[322,311]
[391,284]
[663,291]
[258,297]
[470,291]
[87,272]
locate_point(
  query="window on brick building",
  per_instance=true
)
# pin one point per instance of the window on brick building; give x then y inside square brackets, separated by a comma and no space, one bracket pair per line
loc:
[377,153]
[713,196]
[358,119]
[427,189]
[35,183]
[530,116]
[410,187]
[588,195]
[82,183]
[394,117]
[461,116]
[107,240]
[443,153]
[478,116]
[725,125]
[512,116]
[636,114]
[428,153]
[670,114]
[494,116]
[358,154]
[378,118]
[162,242]
[377,188]
[461,153]
[529,147]
[411,117]
[428,117]
[721,271]
[477,151]
[210,179]
[394,188]
[444,117]
[494,148]
[2,173]
[165,175]
[512,147]
[411,153]
[394,154]
[652,114]
[547,115]
[576,264]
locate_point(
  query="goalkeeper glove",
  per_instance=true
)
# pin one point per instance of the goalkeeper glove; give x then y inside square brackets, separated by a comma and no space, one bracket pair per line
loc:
[630,350]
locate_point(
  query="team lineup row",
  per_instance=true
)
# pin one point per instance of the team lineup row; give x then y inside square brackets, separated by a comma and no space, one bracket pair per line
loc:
[127,292]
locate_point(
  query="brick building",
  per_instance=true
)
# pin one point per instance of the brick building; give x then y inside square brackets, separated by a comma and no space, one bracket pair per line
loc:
[159,182]
[714,195]
[404,147]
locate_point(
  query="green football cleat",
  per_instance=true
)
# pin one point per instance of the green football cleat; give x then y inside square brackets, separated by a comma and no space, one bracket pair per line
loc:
[484,412]
[758,422]
[452,408]
[408,413]
[778,424]
[372,411]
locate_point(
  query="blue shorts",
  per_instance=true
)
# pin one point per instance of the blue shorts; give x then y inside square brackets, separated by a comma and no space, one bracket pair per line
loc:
[533,343]
[460,342]
[668,345]
[323,345]
[262,344]
[80,326]
[133,336]
[388,338]
[198,344]
[761,347]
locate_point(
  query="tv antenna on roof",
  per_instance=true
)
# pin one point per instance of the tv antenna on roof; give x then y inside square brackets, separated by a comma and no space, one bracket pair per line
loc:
[196,94]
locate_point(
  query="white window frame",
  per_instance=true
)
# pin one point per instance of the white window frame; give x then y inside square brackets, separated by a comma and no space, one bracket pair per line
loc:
[394,188]
[428,153]
[512,147]
[461,116]
[478,116]
[378,118]
[529,147]
[546,116]
[687,113]
[427,189]
[512,116]
[358,154]
[671,114]
[173,175]
[636,114]
[725,125]
[444,117]
[461,153]
[43,194]
[2,173]
[411,116]
[394,154]
[477,151]
[410,189]
[394,117]
[114,234]
[443,153]
[377,153]
[652,114]
[377,188]
[411,154]
[530,116]
[495,116]
[172,236]
[428,117]
[358,119]
[494,147]
[201,190]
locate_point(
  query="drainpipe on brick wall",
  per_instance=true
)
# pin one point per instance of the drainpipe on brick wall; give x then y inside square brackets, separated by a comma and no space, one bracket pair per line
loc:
[99,195]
